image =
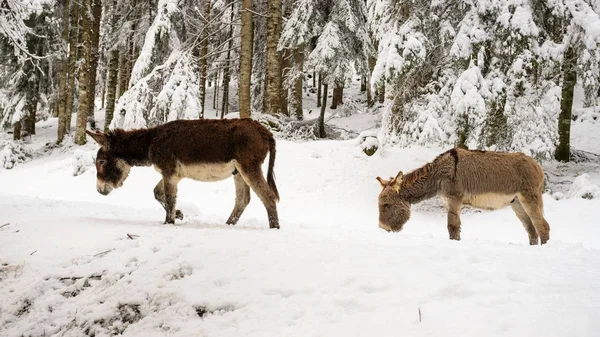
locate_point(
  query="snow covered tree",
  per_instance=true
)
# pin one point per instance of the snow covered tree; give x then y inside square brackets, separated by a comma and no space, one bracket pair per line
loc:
[481,75]
[342,42]
[28,45]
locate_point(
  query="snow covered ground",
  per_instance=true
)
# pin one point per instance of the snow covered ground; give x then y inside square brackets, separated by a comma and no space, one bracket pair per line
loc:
[76,263]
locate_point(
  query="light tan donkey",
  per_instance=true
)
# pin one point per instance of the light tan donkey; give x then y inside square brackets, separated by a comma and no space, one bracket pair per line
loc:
[482,179]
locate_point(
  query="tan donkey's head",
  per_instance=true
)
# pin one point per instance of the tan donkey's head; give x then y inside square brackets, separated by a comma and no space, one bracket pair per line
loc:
[394,211]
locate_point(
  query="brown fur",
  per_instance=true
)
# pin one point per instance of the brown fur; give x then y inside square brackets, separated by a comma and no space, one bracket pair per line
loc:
[204,150]
[486,180]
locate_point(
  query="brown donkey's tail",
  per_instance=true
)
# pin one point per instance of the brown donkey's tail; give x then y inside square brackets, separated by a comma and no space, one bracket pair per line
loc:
[270,173]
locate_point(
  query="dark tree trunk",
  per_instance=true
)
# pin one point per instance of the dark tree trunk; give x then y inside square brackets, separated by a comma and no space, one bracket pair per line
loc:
[381,92]
[563,150]
[297,89]
[319,91]
[93,56]
[322,133]
[227,70]
[17,131]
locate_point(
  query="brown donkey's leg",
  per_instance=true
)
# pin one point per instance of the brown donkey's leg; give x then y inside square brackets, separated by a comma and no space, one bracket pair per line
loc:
[159,195]
[526,220]
[242,198]
[254,177]
[453,207]
[533,205]
[170,187]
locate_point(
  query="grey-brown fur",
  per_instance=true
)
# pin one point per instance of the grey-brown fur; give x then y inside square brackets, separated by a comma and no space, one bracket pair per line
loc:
[204,150]
[482,179]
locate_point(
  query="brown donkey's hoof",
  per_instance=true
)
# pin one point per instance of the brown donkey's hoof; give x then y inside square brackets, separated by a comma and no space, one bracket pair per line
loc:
[179,215]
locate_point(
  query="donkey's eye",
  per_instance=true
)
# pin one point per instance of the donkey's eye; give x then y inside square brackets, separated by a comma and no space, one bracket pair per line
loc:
[101,162]
[387,205]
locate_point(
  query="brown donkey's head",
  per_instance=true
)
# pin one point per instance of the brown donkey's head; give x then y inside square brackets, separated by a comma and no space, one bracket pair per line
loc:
[111,170]
[394,211]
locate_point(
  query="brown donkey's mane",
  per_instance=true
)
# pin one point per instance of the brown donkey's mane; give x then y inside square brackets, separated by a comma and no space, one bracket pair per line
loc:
[131,145]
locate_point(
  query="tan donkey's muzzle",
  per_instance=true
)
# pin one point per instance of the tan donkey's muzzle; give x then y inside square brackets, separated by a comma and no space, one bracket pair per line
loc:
[389,228]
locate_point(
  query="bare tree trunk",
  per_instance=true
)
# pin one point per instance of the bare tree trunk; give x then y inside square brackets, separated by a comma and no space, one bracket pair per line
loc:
[246,42]
[96,8]
[363,83]
[381,92]
[122,78]
[216,94]
[111,90]
[334,96]
[297,89]
[17,130]
[84,92]
[73,55]
[227,70]
[63,75]
[284,92]
[32,101]
[371,60]
[273,76]
[314,79]
[203,60]
[322,133]
[563,150]
[319,91]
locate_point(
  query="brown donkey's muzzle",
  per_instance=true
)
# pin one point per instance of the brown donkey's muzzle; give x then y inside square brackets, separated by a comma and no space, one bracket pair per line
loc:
[103,188]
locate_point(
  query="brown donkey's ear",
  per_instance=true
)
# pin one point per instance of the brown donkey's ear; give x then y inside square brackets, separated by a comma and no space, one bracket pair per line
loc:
[99,137]
[397,182]
[382,181]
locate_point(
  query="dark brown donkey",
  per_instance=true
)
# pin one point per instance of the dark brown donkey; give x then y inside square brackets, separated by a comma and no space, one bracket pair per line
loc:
[204,150]
[486,180]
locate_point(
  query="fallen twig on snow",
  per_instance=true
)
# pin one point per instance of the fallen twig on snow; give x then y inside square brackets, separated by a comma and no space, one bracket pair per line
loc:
[419,315]
[104,252]
[6,224]
[132,236]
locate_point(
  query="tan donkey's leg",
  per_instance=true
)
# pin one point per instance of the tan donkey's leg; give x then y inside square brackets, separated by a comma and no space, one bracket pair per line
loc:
[242,198]
[533,205]
[525,220]
[453,207]
[159,195]
[253,176]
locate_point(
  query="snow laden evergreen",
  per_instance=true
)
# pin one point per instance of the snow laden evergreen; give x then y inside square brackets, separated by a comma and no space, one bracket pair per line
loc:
[484,75]
[164,83]
[28,47]
[338,31]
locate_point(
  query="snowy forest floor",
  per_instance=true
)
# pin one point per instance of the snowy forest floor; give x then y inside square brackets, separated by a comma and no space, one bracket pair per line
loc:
[76,263]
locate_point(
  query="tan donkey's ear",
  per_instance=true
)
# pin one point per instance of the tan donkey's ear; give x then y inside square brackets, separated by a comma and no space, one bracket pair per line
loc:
[382,181]
[99,137]
[397,182]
